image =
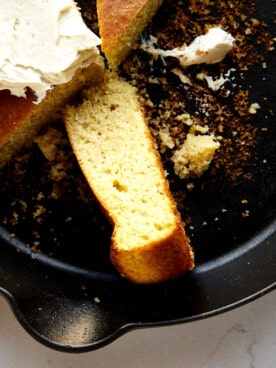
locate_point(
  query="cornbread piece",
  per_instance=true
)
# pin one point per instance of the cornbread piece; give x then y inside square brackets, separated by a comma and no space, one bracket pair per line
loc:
[21,119]
[121,22]
[40,70]
[117,155]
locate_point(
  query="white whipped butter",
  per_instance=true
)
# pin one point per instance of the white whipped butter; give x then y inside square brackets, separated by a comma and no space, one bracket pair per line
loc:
[214,84]
[42,43]
[209,48]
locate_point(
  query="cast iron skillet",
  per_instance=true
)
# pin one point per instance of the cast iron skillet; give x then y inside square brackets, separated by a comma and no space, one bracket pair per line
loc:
[71,302]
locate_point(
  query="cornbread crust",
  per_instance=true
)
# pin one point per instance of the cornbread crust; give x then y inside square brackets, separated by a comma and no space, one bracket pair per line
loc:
[21,119]
[120,24]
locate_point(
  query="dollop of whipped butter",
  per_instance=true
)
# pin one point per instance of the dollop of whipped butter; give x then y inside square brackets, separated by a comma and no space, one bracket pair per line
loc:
[209,48]
[42,44]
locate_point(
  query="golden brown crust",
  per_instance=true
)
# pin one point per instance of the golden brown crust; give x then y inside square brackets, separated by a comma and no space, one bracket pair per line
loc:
[114,17]
[164,260]
[13,112]
[121,23]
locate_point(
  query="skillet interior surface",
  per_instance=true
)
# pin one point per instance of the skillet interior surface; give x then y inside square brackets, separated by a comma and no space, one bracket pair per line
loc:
[54,265]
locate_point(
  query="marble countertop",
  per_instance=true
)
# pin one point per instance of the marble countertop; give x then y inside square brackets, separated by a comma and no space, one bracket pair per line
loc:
[244,337]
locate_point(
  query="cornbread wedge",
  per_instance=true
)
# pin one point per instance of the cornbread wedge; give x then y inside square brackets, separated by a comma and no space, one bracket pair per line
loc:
[116,153]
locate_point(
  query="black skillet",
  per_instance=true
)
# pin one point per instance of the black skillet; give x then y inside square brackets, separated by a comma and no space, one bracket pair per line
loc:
[74,301]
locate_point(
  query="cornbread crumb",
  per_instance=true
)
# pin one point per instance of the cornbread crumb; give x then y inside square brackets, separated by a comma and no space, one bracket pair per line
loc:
[253,108]
[194,156]
[49,143]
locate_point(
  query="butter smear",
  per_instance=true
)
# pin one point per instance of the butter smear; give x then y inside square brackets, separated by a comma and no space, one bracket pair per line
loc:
[42,44]
[209,48]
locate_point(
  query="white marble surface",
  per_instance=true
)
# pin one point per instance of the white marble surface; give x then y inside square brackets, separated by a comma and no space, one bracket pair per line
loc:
[242,338]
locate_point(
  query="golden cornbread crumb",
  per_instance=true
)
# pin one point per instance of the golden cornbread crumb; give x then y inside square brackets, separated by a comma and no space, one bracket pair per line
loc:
[49,143]
[254,107]
[194,156]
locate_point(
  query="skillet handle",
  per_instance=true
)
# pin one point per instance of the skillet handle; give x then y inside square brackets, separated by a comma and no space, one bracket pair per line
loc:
[59,308]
